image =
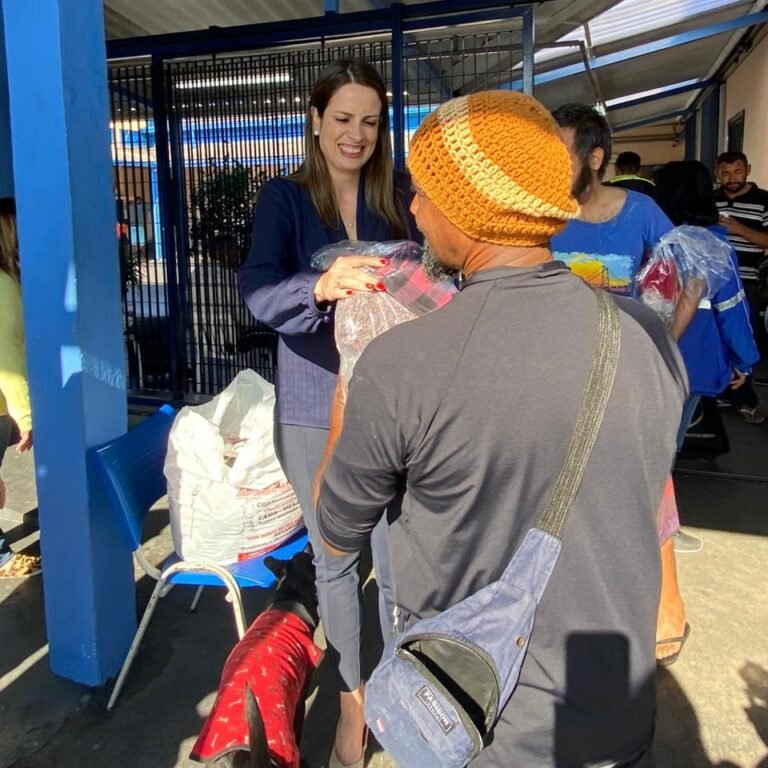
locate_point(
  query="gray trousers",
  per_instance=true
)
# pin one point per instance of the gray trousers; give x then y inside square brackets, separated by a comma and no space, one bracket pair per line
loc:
[339,591]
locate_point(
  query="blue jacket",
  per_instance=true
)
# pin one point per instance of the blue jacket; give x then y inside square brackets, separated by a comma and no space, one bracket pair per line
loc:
[277,283]
[719,339]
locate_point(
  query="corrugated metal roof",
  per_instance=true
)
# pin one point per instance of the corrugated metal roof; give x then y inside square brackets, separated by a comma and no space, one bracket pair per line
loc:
[613,27]
[631,18]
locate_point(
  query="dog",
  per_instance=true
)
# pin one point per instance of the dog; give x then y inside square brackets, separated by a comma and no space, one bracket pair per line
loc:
[257,717]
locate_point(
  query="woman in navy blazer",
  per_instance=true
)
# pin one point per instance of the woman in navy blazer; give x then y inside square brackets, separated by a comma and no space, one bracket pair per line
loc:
[345,190]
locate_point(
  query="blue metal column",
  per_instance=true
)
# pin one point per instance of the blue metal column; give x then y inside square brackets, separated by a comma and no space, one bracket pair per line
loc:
[66,214]
[690,136]
[6,153]
[710,128]
[398,105]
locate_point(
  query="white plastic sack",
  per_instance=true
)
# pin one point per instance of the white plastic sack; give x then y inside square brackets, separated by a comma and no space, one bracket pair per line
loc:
[228,496]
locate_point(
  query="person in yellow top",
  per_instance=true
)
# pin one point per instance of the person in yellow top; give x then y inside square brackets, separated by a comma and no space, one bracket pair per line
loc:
[14,389]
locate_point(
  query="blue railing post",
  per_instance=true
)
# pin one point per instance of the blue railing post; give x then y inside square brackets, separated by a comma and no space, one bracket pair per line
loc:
[6,152]
[165,188]
[710,128]
[691,150]
[398,123]
[176,143]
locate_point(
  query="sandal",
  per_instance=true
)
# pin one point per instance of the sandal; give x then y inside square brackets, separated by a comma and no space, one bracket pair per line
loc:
[20,566]
[672,658]
[751,415]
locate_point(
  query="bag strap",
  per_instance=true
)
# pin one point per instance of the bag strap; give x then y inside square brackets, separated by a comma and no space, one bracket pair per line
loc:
[598,390]
[599,384]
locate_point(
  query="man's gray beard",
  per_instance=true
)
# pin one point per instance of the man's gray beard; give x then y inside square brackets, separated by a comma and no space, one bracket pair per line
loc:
[434,269]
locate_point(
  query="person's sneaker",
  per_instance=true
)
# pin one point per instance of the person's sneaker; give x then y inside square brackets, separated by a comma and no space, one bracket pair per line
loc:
[20,566]
[723,403]
[684,542]
[751,415]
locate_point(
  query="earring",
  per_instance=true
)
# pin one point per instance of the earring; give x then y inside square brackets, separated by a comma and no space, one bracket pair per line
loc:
[316,132]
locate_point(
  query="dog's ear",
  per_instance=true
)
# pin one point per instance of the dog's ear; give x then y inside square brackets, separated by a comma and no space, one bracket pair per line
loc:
[257,734]
[278,567]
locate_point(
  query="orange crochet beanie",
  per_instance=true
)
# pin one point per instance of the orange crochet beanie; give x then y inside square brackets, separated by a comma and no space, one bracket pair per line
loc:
[494,165]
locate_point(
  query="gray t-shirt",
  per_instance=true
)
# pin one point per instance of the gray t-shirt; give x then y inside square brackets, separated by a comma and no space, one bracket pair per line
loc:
[457,424]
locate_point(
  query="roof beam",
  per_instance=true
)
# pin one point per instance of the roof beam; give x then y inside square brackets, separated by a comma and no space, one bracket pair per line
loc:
[698,85]
[250,36]
[607,60]
[651,120]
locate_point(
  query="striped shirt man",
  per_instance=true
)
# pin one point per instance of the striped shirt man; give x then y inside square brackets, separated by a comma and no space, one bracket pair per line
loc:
[743,207]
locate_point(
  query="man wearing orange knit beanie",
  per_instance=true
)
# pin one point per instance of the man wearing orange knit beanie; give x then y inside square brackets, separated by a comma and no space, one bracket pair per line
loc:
[458,423]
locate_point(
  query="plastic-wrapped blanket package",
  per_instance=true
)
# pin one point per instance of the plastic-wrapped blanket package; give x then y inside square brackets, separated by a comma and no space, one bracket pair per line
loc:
[683,257]
[364,316]
[228,496]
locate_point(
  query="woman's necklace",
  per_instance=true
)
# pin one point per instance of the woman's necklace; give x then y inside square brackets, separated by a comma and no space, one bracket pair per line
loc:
[349,225]
[349,216]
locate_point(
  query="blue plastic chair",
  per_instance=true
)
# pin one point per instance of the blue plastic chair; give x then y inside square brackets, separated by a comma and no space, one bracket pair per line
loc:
[131,468]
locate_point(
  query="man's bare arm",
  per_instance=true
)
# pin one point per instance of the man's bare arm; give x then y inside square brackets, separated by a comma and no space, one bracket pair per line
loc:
[754,236]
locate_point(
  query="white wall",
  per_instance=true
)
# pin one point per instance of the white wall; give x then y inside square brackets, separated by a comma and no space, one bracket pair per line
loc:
[747,89]
[656,145]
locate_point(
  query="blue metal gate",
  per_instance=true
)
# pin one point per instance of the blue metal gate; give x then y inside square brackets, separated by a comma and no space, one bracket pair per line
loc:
[196,130]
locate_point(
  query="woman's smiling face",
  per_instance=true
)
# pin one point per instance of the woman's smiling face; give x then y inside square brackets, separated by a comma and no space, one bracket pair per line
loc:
[349,128]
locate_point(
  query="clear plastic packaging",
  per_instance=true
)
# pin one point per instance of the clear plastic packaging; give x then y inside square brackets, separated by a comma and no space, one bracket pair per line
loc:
[364,316]
[685,256]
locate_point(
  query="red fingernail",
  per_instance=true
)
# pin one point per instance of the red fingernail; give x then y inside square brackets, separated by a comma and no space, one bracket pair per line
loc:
[381,286]
[349,293]
[385,261]
[370,286]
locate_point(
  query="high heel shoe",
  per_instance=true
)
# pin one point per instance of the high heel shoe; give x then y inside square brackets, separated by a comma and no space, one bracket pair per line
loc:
[334,762]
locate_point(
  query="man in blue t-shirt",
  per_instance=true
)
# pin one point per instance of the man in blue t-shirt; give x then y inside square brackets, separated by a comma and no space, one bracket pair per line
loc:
[606,245]
[616,228]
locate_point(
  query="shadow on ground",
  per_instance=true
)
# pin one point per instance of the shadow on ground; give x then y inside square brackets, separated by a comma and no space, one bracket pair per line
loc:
[714,701]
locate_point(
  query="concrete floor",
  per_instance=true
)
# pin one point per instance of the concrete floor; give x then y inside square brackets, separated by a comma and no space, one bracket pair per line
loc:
[713,704]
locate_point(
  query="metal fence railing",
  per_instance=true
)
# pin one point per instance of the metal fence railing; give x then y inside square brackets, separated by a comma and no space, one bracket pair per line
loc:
[194,138]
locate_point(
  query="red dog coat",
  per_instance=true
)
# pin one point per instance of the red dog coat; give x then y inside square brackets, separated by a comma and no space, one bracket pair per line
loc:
[275,659]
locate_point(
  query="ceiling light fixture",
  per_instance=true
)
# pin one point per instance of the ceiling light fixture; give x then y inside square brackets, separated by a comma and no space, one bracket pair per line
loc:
[229,82]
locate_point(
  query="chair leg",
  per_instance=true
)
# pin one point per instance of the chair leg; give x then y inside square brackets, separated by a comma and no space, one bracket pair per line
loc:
[132,651]
[196,600]
[234,596]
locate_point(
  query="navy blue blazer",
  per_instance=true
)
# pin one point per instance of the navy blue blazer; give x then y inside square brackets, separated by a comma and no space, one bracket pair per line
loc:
[277,283]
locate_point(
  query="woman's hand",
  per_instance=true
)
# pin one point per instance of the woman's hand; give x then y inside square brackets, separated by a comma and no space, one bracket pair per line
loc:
[346,276]
[25,443]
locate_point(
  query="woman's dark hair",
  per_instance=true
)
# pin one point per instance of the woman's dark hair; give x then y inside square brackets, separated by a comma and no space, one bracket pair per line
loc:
[685,192]
[9,240]
[590,131]
[379,184]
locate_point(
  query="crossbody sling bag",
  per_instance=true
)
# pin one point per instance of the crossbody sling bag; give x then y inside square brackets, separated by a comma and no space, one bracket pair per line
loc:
[437,692]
